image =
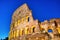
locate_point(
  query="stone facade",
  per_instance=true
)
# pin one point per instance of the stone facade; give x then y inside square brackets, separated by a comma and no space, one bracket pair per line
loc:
[24,27]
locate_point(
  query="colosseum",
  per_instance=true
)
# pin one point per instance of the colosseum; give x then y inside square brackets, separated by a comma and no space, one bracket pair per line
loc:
[24,27]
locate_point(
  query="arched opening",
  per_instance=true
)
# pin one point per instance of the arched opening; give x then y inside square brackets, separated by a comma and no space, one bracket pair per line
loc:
[50,30]
[55,23]
[28,19]
[28,31]
[33,29]
[22,32]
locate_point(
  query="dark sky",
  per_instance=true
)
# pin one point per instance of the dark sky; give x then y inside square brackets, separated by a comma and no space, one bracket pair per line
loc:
[41,10]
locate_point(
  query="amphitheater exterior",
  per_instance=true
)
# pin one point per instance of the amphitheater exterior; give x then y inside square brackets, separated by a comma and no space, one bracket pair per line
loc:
[24,27]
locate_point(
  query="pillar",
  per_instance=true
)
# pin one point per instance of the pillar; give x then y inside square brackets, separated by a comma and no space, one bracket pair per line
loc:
[20,32]
[22,19]
[15,24]
[14,33]
[18,22]
[58,28]
[26,18]
[26,30]
[17,33]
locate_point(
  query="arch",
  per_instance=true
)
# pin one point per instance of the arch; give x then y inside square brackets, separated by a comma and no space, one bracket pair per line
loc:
[22,32]
[28,31]
[33,29]
[28,19]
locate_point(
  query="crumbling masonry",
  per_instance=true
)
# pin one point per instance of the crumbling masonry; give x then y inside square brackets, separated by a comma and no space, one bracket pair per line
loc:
[24,27]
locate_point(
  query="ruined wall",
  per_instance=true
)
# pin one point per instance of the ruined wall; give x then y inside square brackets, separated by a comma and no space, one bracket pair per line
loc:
[22,23]
[24,27]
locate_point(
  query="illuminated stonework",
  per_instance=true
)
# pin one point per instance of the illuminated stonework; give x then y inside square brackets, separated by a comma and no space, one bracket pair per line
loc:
[24,27]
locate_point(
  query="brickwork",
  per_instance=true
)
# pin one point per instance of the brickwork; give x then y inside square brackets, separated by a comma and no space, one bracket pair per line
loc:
[24,27]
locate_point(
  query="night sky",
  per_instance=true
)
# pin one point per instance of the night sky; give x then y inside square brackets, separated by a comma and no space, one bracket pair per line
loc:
[41,10]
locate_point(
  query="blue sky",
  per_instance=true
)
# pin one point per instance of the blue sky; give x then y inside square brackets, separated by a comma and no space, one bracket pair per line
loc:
[41,10]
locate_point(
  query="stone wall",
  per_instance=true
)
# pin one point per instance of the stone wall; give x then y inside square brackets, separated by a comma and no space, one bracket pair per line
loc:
[24,27]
